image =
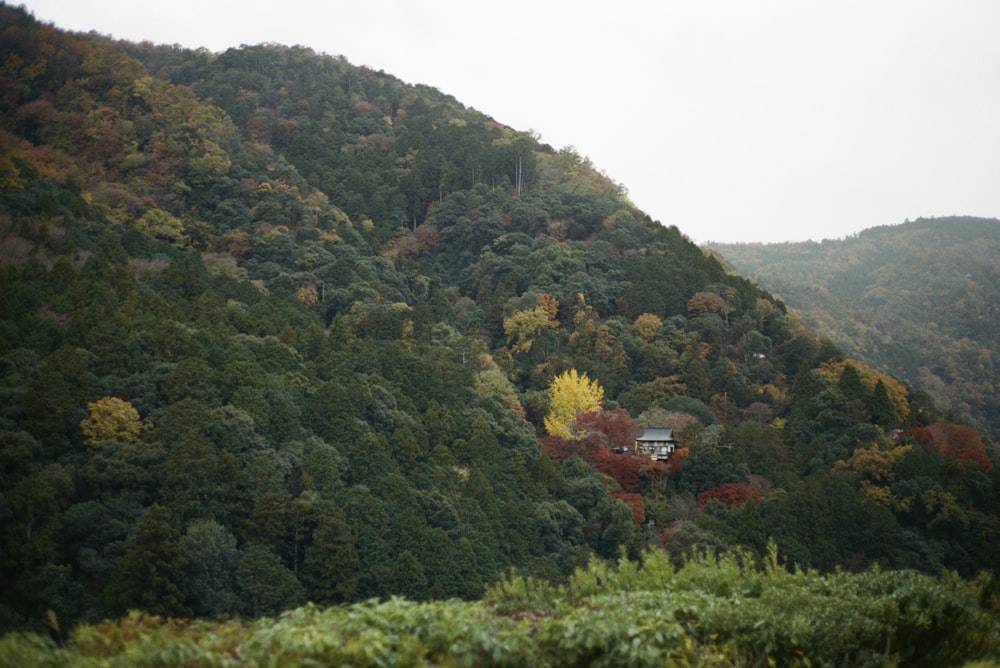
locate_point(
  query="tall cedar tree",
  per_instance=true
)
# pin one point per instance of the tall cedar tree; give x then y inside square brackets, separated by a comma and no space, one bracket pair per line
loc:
[150,575]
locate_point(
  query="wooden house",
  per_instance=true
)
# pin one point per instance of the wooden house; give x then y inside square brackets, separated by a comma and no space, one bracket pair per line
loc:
[657,443]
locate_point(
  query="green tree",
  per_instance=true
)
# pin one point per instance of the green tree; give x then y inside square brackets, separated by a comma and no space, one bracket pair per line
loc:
[150,575]
[198,481]
[880,406]
[30,533]
[408,578]
[266,586]
[751,531]
[696,376]
[211,558]
[331,567]
[55,399]
[439,423]
[850,384]
[161,225]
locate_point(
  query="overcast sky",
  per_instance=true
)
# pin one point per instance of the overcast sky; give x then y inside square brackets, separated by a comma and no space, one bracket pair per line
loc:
[734,120]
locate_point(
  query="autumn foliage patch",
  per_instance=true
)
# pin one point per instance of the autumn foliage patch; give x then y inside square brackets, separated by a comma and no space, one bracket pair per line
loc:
[598,435]
[732,494]
[957,442]
[634,501]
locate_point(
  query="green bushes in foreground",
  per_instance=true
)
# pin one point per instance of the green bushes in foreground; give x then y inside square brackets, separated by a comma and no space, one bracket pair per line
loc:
[713,610]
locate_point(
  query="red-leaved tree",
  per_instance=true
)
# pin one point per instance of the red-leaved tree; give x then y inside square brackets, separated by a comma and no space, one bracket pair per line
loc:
[593,438]
[560,449]
[636,502]
[615,428]
[676,461]
[624,469]
[732,494]
[957,442]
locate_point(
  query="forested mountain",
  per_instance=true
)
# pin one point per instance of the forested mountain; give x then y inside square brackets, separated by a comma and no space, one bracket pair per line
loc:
[277,328]
[917,300]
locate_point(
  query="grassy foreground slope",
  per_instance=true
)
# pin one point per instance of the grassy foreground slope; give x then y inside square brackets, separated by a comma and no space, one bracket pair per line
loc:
[725,610]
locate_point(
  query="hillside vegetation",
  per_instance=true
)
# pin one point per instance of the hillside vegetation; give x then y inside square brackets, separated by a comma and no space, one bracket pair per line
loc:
[917,300]
[276,329]
[712,611]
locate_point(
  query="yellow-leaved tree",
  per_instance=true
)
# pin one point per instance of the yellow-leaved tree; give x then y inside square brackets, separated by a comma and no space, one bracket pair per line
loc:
[522,327]
[111,419]
[874,467]
[895,393]
[571,394]
[648,326]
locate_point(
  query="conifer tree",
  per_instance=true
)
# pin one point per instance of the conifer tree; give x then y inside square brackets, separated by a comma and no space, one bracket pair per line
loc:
[850,384]
[408,577]
[880,406]
[211,557]
[331,567]
[265,584]
[805,387]
[150,575]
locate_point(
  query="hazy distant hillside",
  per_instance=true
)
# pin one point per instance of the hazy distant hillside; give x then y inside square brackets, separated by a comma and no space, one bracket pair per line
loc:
[919,300]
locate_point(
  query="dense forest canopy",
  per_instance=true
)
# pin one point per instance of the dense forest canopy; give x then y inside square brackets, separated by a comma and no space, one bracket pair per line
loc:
[918,300]
[276,328]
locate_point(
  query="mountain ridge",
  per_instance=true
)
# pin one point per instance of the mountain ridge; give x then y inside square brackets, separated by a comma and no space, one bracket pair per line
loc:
[276,328]
[912,299]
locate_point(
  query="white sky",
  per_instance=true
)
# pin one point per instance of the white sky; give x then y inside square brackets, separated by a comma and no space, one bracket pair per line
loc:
[772,120]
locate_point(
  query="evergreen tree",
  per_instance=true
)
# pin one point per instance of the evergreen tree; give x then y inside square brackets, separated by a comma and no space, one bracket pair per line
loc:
[210,565]
[803,392]
[331,568]
[850,384]
[266,586]
[805,387]
[408,577]
[880,406]
[150,575]
[751,531]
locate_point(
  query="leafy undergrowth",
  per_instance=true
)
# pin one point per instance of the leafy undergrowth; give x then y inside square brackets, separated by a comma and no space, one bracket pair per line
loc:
[712,611]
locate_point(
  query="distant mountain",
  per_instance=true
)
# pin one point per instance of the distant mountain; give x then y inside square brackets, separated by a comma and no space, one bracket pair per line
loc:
[919,300]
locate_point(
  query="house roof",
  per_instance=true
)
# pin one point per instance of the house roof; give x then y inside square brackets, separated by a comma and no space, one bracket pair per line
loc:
[657,434]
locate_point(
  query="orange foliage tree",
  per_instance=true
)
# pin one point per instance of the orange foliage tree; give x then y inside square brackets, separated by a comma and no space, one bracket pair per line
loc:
[707,302]
[676,461]
[561,448]
[732,494]
[635,501]
[957,442]
[623,469]
[594,437]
